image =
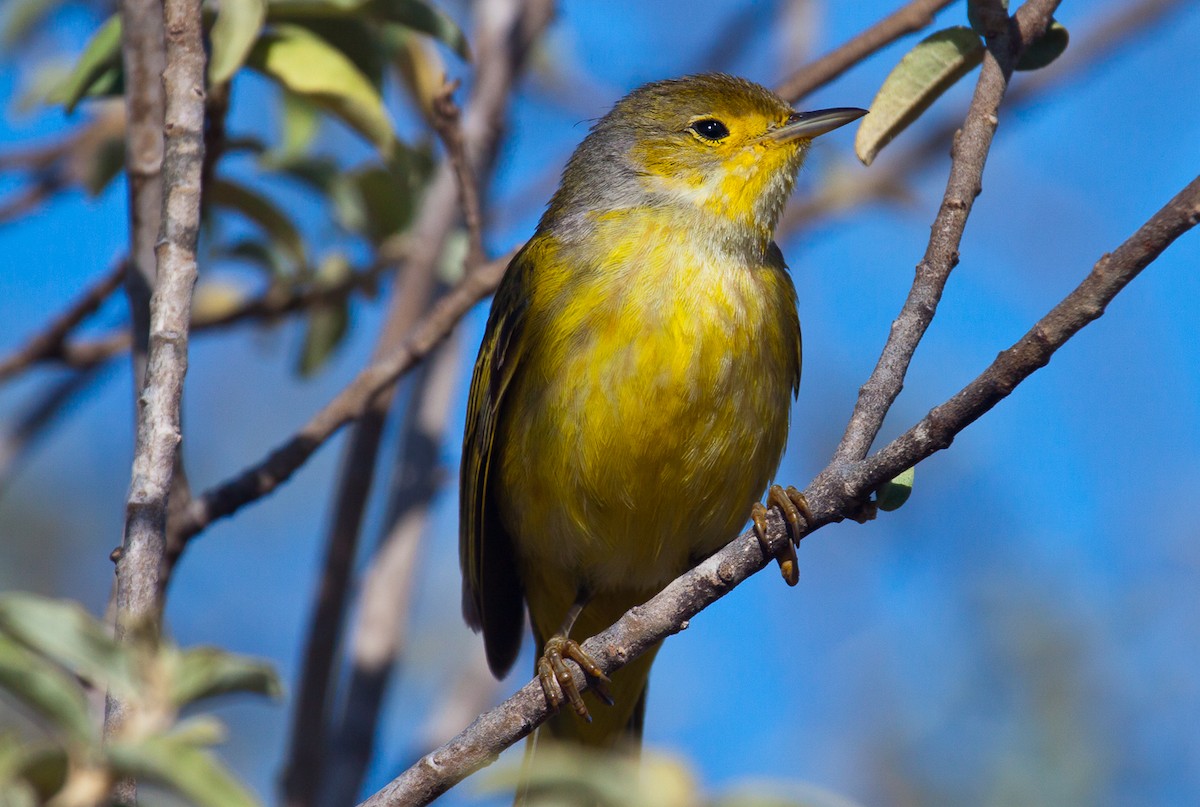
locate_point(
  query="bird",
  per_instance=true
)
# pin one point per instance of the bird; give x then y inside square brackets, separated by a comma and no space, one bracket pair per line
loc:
[631,397]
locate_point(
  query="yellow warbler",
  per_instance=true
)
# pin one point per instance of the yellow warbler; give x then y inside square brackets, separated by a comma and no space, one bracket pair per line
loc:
[630,399]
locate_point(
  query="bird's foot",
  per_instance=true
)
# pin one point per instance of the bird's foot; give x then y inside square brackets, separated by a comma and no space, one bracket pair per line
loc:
[557,682]
[794,507]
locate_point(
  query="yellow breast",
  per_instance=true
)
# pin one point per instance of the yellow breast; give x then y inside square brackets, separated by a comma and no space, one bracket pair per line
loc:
[652,405]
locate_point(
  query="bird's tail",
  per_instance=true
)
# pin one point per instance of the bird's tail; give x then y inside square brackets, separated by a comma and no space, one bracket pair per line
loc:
[616,728]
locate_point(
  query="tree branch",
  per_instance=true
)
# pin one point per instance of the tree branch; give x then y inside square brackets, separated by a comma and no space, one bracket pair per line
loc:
[139,605]
[49,343]
[970,152]
[832,496]
[906,20]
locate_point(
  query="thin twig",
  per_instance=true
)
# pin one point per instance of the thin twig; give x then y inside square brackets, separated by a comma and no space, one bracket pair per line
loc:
[908,19]
[446,121]
[49,342]
[970,152]
[833,495]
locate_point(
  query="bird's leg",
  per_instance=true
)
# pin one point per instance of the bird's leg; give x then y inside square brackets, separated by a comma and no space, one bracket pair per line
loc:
[794,506]
[557,681]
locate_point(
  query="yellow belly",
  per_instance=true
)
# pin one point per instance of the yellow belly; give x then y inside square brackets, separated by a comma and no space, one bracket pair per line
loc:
[650,413]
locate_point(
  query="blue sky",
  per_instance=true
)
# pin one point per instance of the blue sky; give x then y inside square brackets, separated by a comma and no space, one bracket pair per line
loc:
[1023,628]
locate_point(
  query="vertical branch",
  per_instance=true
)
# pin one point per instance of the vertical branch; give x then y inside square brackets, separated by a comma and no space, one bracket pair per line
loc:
[970,150]
[139,606]
[143,57]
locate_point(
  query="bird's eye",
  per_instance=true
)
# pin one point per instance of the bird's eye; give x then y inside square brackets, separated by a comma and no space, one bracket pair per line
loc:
[711,129]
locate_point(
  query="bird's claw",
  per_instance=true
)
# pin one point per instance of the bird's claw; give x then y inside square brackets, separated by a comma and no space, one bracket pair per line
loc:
[557,682]
[794,507]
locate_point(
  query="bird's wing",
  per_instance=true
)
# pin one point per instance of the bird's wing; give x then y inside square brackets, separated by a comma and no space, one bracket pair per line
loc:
[493,600]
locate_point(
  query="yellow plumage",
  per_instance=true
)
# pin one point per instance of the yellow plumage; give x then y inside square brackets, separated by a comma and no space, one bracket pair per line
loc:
[630,401]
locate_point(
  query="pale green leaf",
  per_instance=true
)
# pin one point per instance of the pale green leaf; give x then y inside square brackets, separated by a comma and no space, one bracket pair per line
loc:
[97,69]
[66,634]
[925,72]
[309,66]
[45,689]
[179,765]
[892,495]
[424,17]
[301,123]
[234,32]
[204,672]
[263,212]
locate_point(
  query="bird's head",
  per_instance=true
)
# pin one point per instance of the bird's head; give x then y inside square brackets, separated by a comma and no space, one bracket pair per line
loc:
[710,143]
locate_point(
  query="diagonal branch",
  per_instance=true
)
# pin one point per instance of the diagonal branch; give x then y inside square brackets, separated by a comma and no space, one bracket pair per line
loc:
[941,255]
[49,342]
[833,495]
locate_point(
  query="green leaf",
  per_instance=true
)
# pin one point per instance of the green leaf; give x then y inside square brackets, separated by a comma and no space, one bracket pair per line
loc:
[179,765]
[263,212]
[45,689]
[66,634]
[309,66]
[97,70]
[204,672]
[329,323]
[301,123]
[234,32]
[925,72]
[892,495]
[424,17]
[1046,48]
[107,162]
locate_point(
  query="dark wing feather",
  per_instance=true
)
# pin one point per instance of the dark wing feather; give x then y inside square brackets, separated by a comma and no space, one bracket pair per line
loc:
[493,600]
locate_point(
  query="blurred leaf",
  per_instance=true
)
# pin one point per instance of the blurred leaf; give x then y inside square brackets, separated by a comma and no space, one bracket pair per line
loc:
[892,495]
[356,38]
[424,17]
[263,212]
[97,70]
[201,731]
[204,672]
[318,173]
[107,162]
[1046,48]
[311,67]
[301,123]
[44,689]
[65,633]
[591,776]
[925,72]
[44,768]
[419,64]
[21,18]
[328,323]
[234,32]
[265,256]
[292,10]
[178,764]
[216,299]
